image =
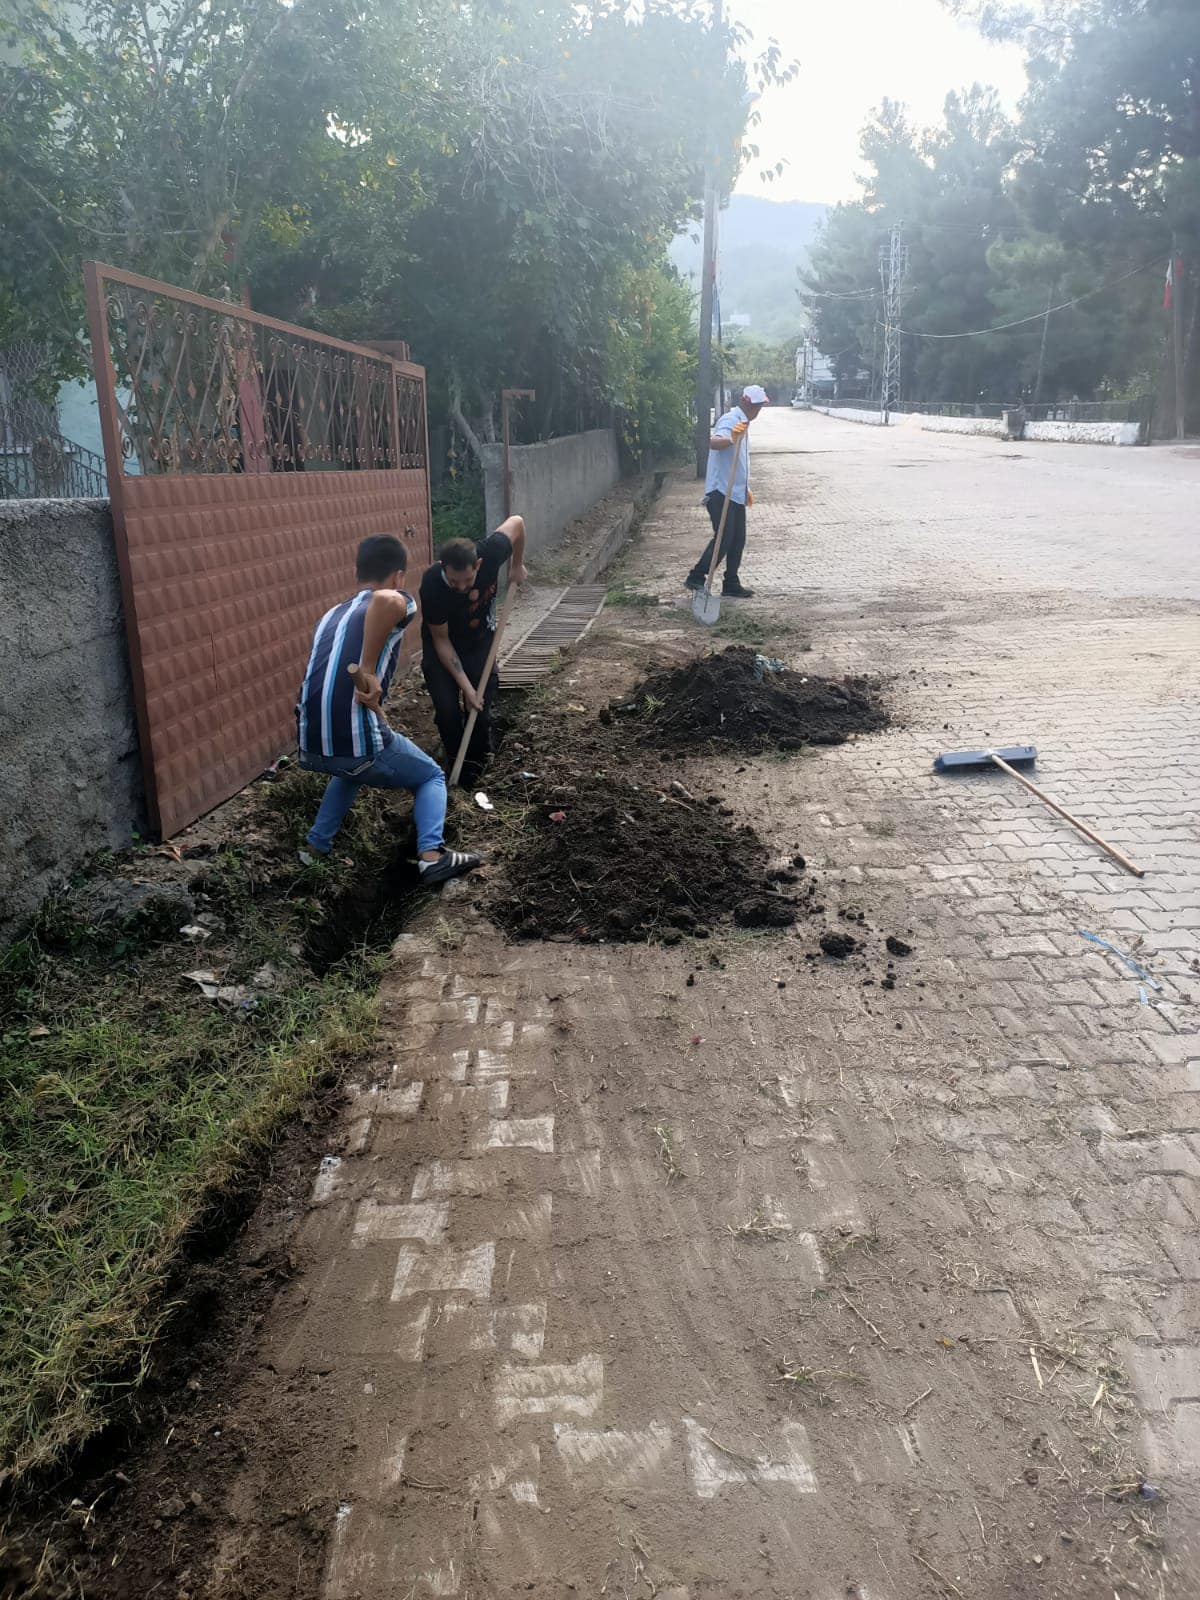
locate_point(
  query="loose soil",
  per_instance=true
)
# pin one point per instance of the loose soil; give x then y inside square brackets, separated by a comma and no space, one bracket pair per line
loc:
[735,700]
[606,859]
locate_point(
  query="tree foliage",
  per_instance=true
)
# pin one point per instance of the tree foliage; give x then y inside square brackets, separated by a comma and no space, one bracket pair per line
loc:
[1085,190]
[494,180]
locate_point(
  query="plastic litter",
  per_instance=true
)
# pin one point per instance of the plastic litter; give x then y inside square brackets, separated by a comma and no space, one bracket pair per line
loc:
[1121,956]
[482,801]
[764,664]
[237,997]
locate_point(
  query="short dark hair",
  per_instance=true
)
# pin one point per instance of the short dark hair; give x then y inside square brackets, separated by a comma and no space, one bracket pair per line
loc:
[379,556]
[459,554]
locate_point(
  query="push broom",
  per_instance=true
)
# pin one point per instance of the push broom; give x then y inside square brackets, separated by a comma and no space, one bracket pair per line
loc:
[1008,759]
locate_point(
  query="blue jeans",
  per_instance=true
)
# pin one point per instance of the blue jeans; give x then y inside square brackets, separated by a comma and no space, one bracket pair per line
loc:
[401,765]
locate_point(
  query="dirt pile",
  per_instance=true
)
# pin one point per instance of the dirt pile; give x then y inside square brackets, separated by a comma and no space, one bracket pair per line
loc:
[602,858]
[743,701]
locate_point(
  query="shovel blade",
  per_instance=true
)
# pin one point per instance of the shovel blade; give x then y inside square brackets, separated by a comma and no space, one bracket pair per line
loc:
[706,607]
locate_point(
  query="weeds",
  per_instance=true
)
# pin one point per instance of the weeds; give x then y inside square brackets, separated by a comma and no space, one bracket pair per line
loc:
[131,1107]
[667,1153]
[622,594]
[761,1226]
[811,1379]
[458,508]
[843,1241]
[736,625]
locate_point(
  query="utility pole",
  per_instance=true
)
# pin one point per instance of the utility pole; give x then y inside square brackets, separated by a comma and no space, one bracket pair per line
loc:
[893,269]
[1037,387]
[704,377]
[1177,336]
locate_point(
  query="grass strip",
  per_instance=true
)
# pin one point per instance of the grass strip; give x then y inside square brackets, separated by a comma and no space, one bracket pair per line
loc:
[130,1104]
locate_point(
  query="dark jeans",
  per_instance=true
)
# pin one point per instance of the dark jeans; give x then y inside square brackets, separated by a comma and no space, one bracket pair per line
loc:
[448,709]
[732,545]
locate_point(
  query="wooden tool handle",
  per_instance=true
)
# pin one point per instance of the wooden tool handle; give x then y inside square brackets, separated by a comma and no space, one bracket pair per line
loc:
[1110,849]
[483,682]
[362,683]
[712,565]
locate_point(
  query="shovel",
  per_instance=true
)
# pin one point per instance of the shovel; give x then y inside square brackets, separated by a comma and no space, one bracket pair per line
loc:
[483,682]
[706,606]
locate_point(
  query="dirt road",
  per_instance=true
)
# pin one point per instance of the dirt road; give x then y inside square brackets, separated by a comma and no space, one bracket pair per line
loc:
[717,1270]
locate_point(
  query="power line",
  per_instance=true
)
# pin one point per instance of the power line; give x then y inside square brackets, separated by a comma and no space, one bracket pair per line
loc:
[829,294]
[1000,327]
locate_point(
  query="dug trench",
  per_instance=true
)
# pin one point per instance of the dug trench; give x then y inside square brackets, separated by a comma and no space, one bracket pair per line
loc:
[593,841]
[178,1022]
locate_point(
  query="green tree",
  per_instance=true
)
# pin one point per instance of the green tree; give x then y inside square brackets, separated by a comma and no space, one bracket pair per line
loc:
[163,139]
[483,177]
[1111,126]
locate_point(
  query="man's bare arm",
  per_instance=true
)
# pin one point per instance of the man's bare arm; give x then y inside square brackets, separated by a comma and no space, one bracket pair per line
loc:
[514,529]
[439,632]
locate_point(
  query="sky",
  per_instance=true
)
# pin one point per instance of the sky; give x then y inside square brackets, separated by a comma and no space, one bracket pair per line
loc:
[853,53]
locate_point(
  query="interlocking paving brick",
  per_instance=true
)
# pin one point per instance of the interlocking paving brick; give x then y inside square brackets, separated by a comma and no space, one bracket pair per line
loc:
[445,1270]
[715,1466]
[562,1391]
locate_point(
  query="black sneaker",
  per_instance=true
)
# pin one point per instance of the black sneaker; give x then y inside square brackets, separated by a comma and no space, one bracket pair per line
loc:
[450,864]
[736,591]
[695,581]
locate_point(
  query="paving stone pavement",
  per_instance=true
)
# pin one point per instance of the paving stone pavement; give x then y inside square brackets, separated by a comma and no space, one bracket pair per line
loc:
[644,1273]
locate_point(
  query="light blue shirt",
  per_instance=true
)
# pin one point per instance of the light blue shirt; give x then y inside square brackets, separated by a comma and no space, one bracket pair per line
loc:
[720,461]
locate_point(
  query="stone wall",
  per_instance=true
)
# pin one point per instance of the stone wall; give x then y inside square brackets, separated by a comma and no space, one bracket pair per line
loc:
[70,776]
[552,483]
[873,419]
[1085,432]
[988,427]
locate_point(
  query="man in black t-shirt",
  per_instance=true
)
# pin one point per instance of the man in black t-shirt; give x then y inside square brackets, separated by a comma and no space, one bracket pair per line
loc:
[458,621]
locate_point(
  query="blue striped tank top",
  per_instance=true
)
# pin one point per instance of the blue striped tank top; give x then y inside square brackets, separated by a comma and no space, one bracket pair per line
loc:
[329,721]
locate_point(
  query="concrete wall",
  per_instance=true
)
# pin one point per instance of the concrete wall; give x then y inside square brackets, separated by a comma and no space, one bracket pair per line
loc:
[994,427]
[552,483]
[988,427]
[874,419]
[1085,432]
[70,777]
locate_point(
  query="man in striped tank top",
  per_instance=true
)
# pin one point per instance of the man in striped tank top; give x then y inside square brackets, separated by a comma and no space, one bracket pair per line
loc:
[341,730]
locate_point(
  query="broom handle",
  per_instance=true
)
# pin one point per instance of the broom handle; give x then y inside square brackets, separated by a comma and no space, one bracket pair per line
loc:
[483,682]
[712,565]
[1074,821]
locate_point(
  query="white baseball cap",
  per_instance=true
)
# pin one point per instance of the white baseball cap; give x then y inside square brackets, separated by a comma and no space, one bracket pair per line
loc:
[756,395]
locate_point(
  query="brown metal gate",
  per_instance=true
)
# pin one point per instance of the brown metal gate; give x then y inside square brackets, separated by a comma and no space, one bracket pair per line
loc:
[245,458]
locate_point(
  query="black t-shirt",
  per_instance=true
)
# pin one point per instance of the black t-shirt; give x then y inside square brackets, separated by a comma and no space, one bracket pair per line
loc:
[471,614]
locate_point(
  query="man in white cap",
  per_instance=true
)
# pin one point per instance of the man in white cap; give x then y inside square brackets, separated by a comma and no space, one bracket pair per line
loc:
[731,427]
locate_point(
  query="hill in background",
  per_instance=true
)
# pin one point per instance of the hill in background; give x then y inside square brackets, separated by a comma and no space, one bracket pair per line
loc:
[762,242]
